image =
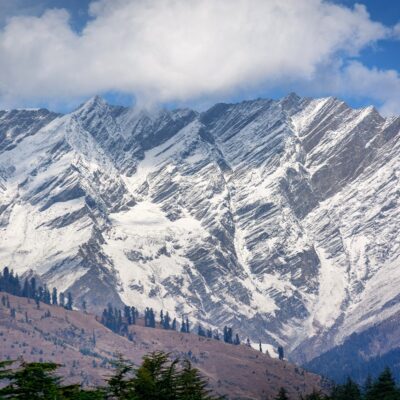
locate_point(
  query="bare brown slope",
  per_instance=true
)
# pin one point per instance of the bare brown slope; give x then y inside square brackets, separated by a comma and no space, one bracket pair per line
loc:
[67,337]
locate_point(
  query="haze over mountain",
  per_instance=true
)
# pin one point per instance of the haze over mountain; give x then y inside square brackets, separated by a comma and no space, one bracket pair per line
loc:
[279,218]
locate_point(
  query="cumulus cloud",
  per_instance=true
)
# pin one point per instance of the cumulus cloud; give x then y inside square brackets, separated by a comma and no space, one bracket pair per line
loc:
[180,50]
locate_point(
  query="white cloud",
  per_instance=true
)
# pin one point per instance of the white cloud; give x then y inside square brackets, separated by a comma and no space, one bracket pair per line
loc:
[178,50]
[381,85]
[351,79]
[396,30]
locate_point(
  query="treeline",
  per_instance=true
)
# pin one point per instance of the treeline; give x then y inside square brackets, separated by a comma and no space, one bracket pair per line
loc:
[11,284]
[157,378]
[382,388]
[119,321]
[115,319]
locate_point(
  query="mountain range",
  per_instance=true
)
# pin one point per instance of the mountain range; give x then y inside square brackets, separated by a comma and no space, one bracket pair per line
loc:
[279,218]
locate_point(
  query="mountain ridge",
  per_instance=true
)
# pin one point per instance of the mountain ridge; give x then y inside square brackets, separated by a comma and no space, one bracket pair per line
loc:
[273,216]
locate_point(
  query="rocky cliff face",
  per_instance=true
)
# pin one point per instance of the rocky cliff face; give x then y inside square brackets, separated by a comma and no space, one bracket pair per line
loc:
[280,218]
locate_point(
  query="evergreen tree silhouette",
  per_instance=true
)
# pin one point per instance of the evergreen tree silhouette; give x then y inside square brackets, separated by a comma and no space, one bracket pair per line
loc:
[282,394]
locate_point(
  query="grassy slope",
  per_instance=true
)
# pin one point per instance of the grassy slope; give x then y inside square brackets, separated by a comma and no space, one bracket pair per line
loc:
[66,337]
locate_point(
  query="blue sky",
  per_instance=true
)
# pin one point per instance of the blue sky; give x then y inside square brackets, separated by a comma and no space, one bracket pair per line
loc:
[386,54]
[57,53]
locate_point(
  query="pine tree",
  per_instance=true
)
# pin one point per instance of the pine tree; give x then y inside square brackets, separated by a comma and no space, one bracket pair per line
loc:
[228,335]
[40,293]
[62,299]
[384,388]
[5,280]
[201,331]
[110,322]
[146,317]
[349,391]
[69,301]
[32,289]
[167,321]
[152,318]
[156,378]
[54,297]
[191,385]
[183,326]
[6,373]
[315,396]
[236,340]
[10,283]
[161,318]
[17,286]
[33,381]
[133,315]
[173,327]
[368,384]
[46,296]
[128,315]
[282,394]
[26,289]
[120,385]
[281,354]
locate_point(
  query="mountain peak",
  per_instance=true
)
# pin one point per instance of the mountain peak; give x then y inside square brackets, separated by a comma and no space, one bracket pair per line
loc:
[292,96]
[291,102]
[95,102]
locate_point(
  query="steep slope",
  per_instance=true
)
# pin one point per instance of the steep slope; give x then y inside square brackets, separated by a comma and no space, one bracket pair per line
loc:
[279,218]
[58,191]
[354,230]
[363,354]
[85,348]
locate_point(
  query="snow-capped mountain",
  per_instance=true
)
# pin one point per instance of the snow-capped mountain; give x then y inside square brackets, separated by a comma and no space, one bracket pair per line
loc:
[279,218]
